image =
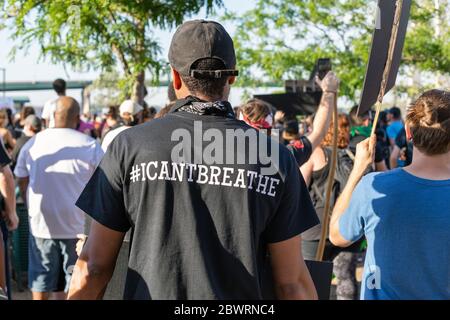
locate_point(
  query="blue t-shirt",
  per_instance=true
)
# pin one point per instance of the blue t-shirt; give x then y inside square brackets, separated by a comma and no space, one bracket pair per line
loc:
[406,221]
[394,128]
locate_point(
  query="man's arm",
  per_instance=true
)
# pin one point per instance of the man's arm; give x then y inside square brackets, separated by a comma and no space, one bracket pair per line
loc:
[23,186]
[7,188]
[329,86]
[307,170]
[365,152]
[95,266]
[291,277]
[380,166]
[395,154]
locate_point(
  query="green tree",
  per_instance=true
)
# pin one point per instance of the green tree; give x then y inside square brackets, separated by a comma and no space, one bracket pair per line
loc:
[106,90]
[282,39]
[100,33]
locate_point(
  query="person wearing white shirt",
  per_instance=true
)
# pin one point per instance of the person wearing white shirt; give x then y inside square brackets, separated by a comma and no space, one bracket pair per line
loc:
[53,168]
[59,85]
[127,110]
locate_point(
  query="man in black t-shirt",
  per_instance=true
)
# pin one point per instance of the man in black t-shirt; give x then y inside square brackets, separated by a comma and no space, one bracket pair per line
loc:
[205,203]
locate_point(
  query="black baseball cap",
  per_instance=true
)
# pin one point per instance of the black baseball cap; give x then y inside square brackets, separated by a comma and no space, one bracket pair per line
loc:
[202,39]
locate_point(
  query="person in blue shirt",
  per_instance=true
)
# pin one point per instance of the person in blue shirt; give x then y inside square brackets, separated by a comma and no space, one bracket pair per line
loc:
[404,213]
[395,125]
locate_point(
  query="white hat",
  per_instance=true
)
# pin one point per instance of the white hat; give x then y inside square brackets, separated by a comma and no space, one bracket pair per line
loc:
[129,106]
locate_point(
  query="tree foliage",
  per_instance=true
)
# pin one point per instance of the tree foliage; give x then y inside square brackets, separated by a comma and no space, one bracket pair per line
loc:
[99,33]
[282,39]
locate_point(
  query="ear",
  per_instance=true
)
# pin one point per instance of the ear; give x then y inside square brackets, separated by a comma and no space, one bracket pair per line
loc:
[408,132]
[176,79]
[231,80]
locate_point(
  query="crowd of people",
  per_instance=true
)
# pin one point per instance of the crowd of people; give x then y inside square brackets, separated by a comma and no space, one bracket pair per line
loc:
[195,235]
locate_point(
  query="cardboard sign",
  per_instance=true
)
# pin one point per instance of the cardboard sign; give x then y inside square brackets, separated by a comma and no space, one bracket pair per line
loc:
[295,103]
[379,52]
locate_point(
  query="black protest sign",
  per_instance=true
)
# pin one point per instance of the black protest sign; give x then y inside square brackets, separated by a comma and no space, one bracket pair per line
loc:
[294,103]
[379,52]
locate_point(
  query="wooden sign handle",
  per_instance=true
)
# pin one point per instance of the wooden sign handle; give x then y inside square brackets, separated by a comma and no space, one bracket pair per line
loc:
[387,67]
[330,183]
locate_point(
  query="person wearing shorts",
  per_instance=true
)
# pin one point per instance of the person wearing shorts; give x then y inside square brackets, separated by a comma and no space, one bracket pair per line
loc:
[52,169]
[51,263]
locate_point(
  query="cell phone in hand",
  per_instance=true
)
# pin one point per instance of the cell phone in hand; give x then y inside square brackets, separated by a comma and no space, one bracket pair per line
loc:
[323,67]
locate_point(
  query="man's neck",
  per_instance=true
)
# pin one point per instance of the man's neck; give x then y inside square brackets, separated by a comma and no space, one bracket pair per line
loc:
[430,167]
[207,99]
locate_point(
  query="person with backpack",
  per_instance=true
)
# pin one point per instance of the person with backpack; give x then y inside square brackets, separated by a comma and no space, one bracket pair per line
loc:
[316,172]
[403,213]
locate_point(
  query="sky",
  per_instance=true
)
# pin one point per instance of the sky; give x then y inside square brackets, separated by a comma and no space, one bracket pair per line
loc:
[27,67]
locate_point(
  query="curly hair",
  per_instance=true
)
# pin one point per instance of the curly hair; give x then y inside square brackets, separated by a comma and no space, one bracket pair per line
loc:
[343,132]
[429,121]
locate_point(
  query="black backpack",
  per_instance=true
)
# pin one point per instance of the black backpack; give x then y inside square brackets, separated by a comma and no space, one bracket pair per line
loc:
[344,167]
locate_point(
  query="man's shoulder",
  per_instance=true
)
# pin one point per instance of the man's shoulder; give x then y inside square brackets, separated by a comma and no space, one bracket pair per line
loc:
[114,132]
[395,126]
[78,135]
[69,136]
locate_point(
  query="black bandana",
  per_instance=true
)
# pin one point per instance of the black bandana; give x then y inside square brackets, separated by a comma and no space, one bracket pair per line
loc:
[194,105]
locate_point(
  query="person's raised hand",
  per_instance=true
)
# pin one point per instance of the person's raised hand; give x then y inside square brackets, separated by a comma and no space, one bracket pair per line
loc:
[365,153]
[279,116]
[330,83]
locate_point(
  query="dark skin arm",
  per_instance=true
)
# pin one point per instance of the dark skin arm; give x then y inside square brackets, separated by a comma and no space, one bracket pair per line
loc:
[95,266]
[23,186]
[291,277]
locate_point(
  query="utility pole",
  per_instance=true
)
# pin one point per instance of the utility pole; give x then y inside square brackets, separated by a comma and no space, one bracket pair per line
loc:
[4,81]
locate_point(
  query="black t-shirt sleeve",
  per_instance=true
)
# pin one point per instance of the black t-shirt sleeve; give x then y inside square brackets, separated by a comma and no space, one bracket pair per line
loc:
[102,198]
[379,155]
[4,158]
[295,213]
[301,149]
